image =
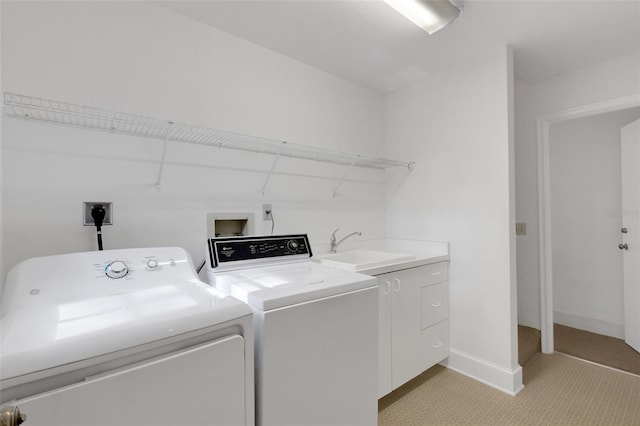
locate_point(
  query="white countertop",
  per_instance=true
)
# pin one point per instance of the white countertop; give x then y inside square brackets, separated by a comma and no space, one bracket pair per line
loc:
[421,259]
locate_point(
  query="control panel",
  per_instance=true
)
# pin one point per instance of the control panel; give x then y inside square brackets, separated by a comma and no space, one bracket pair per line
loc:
[117,269]
[95,274]
[258,248]
[129,264]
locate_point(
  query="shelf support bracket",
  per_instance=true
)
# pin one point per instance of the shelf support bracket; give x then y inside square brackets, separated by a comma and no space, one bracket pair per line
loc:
[273,166]
[164,152]
[335,191]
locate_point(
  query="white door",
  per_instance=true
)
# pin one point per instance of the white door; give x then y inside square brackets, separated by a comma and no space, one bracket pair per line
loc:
[630,149]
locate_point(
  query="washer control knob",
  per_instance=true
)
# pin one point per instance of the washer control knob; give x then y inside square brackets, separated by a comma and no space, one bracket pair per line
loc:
[116,269]
[292,245]
[152,264]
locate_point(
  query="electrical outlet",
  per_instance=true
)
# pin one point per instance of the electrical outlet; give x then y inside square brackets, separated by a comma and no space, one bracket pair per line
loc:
[266,212]
[87,220]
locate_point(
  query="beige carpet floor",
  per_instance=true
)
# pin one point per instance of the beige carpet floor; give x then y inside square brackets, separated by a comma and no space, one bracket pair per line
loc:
[559,390]
[596,347]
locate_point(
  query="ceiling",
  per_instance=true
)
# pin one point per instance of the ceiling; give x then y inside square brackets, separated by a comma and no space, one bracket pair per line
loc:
[367,42]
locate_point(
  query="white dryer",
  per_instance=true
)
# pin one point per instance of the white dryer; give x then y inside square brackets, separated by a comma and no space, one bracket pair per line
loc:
[316,330]
[124,337]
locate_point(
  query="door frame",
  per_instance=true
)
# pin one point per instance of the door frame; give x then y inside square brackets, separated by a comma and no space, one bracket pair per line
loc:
[544,201]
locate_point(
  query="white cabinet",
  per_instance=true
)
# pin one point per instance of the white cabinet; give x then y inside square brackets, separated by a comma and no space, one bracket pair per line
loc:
[413,326]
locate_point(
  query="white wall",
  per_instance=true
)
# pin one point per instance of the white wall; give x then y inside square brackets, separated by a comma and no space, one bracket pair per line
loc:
[456,125]
[1,174]
[585,205]
[139,58]
[609,80]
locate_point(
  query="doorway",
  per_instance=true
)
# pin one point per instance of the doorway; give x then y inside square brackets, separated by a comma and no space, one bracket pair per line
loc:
[587,213]
[545,202]
[586,219]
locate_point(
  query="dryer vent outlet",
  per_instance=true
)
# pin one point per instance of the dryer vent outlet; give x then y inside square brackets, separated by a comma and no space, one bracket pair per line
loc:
[87,219]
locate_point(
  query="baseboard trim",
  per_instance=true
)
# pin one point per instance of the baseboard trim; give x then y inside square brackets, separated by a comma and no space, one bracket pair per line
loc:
[593,325]
[504,379]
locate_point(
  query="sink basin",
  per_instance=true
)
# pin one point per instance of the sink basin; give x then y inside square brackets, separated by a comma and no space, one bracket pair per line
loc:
[359,260]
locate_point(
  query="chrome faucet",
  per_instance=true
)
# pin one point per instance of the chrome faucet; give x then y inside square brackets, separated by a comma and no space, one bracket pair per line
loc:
[334,244]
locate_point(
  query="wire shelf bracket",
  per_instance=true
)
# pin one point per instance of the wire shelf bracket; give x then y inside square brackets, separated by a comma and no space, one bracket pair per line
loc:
[164,153]
[344,176]
[74,115]
[273,166]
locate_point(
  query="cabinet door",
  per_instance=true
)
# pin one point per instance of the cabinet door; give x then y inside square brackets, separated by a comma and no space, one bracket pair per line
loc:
[406,325]
[385,384]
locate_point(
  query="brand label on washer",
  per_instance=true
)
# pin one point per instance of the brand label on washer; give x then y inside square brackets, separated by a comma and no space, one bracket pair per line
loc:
[227,251]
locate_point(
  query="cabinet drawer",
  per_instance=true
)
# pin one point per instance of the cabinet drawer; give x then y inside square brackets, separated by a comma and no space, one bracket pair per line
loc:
[435,344]
[435,273]
[435,304]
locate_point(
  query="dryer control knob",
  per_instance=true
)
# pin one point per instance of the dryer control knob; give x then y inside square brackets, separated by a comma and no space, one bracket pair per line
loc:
[152,264]
[292,245]
[116,269]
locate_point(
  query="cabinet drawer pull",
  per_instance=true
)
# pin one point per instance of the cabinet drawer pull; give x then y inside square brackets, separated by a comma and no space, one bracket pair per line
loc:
[397,289]
[437,345]
[388,291]
[436,305]
[435,274]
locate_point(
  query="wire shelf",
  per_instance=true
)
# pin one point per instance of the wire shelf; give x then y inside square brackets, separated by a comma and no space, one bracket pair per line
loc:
[117,122]
[81,116]
[74,115]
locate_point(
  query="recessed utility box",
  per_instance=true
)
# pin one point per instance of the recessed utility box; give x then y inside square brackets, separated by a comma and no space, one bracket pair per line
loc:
[230,224]
[87,206]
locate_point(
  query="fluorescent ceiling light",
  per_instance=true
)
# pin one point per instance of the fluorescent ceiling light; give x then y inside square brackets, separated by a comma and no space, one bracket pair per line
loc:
[430,15]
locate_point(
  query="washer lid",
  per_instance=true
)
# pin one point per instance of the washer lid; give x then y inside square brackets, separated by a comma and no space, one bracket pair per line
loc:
[277,286]
[57,310]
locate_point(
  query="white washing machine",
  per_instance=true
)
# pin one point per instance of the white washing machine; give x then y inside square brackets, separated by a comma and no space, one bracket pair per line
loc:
[124,337]
[316,330]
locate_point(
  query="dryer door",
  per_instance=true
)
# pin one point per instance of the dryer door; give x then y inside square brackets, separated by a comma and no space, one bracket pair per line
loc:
[200,385]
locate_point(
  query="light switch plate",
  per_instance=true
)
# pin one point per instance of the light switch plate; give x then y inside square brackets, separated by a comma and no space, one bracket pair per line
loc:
[521,228]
